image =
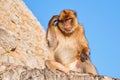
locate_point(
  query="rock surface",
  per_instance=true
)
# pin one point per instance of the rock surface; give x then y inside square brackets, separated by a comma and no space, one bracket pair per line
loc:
[13,72]
[23,47]
[22,38]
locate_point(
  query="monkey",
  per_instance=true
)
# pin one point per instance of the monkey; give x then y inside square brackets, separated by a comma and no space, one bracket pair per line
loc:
[68,44]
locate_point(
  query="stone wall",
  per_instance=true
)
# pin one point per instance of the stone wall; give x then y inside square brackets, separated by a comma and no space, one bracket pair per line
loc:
[22,38]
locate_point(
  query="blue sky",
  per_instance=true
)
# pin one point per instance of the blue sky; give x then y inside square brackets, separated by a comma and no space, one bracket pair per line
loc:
[101,21]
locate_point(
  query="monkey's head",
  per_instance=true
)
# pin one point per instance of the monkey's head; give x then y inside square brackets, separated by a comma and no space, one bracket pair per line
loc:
[67,21]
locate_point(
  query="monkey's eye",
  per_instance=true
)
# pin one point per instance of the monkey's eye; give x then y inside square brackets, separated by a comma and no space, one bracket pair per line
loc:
[61,21]
[68,19]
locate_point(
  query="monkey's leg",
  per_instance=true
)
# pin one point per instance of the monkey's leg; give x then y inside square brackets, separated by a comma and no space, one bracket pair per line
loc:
[89,67]
[56,66]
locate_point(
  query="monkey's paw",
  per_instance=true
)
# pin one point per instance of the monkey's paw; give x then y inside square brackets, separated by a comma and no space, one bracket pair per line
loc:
[84,57]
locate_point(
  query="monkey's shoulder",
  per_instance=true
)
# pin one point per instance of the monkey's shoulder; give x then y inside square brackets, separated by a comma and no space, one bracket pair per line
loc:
[80,28]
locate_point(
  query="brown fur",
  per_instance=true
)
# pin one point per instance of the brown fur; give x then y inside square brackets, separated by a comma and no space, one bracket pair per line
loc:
[67,41]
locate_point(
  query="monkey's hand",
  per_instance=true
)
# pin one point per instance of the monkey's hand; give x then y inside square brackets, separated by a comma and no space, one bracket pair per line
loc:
[54,20]
[84,55]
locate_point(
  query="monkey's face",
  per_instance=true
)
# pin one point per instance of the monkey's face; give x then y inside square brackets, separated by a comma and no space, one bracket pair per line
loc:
[67,21]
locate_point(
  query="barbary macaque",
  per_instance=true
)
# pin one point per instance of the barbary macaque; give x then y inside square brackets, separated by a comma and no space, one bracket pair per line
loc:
[66,39]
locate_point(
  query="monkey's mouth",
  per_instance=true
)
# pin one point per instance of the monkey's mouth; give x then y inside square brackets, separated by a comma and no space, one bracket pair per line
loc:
[68,28]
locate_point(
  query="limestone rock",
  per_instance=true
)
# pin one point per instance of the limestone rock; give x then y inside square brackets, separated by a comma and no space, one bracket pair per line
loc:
[13,72]
[22,38]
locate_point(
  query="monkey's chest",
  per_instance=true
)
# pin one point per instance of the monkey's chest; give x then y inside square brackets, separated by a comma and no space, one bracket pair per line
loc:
[66,51]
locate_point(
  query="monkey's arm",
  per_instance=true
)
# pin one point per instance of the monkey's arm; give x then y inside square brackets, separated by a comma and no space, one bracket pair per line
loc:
[51,34]
[85,51]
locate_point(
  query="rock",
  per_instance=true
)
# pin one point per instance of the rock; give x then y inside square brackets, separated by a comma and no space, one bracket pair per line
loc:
[22,38]
[13,72]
